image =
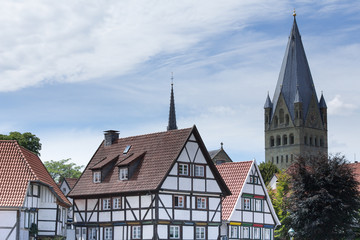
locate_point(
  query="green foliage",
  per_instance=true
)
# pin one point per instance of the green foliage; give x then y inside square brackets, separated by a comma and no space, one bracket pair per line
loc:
[63,169]
[33,231]
[325,200]
[26,140]
[280,201]
[268,170]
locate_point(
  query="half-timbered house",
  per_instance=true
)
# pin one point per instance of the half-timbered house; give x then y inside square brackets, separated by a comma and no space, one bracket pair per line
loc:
[30,201]
[247,213]
[155,186]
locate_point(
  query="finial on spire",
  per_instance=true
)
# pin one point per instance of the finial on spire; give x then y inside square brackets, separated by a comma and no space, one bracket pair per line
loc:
[172,78]
[294,13]
[222,144]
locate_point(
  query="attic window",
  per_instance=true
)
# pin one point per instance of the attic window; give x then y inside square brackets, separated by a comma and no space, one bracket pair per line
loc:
[97,177]
[123,173]
[126,150]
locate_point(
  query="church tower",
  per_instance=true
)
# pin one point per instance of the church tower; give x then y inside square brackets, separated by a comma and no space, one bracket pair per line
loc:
[295,120]
[172,115]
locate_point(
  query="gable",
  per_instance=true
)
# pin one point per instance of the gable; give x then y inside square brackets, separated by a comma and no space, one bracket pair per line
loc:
[281,117]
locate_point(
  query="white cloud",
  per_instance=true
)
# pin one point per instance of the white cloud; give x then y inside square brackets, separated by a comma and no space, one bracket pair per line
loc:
[338,107]
[69,41]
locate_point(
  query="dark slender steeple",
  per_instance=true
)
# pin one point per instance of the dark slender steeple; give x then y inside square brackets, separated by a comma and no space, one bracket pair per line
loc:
[172,115]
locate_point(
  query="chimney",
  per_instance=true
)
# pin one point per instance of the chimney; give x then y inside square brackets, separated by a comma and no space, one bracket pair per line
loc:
[110,137]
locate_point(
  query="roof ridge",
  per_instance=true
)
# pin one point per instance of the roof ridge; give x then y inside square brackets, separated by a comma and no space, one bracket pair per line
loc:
[156,133]
[21,148]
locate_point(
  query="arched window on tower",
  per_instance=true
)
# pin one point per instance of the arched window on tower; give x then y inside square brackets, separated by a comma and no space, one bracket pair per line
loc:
[287,119]
[281,116]
[272,141]
[291,138]
[311,141]
[276,121]
[321,142]
[285,140]
[278,140]
[277,159]
[315,141]
[305,140]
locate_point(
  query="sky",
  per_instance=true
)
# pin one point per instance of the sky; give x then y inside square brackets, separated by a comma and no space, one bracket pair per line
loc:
[70,70]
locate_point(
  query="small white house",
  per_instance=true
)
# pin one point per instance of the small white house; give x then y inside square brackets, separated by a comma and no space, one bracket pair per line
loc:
[154,186]
[30,200]
[247,213]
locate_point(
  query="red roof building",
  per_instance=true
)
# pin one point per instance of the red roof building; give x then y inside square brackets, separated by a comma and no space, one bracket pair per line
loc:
[25,188]
[247,213]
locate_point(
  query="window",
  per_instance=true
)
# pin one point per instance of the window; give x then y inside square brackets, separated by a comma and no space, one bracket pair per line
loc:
[281,116]
[92,233]
[106,204]
[257,233]
[254,179]
[179,201]
[127,149]
[97,177]
[258,205]
[27,219]
[199,171]
[35,190]
[108,233]
[183,169]
[285,140]
[247,204]
[116,203]
[291,138]
[123,173]
[246,232]
[174,232]
[267,234]
[234,231]
[272,141]
[200,202]
[136,232]
[200,233]
[287,119]
[278,141]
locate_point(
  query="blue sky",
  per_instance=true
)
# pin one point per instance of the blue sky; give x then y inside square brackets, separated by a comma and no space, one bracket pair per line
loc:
[71,69]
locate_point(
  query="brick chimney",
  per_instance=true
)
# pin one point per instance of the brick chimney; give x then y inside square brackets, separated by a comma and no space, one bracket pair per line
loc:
[110,137]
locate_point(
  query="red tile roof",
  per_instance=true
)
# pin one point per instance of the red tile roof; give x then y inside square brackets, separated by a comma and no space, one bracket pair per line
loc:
[18,166]
[71,182]
[234,175]
[155,153]
[356,169]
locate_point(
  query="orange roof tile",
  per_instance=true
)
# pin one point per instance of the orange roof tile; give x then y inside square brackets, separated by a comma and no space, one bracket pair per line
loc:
[71,182]
[18,166]
[234,175]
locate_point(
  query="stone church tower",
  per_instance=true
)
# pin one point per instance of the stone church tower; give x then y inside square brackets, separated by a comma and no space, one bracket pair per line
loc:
[295,120]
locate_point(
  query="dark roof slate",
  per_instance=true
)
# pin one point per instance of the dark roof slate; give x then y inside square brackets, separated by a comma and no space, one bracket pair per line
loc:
[295,82]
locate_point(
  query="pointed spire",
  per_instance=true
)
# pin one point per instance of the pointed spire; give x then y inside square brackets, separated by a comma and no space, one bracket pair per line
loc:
[172,115]
[322,103]
[268,103]
[295,82]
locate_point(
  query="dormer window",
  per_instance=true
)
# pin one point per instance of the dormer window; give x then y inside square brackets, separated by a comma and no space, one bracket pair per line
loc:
[123,173]
[97,177]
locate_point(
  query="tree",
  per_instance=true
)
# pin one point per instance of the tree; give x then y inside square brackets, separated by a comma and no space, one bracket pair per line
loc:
[26,140]
[268,170]
[62,169]
[280,201]
[325,202]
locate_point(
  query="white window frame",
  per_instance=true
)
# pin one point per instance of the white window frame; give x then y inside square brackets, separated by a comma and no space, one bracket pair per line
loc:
[92,233]
[258,205]
[200,233]
[106,204]
[199,171]
[201,203]
[246,232]
[97,177]
[183,169]
[267,234]
[117,203]
[180,201]
[174,232]
[234,231]
[108,233]
[257,233]
[124,173]
[136,232]
[247,204]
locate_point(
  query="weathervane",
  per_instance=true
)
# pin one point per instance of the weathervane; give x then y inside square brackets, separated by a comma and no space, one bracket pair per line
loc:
[294,13]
